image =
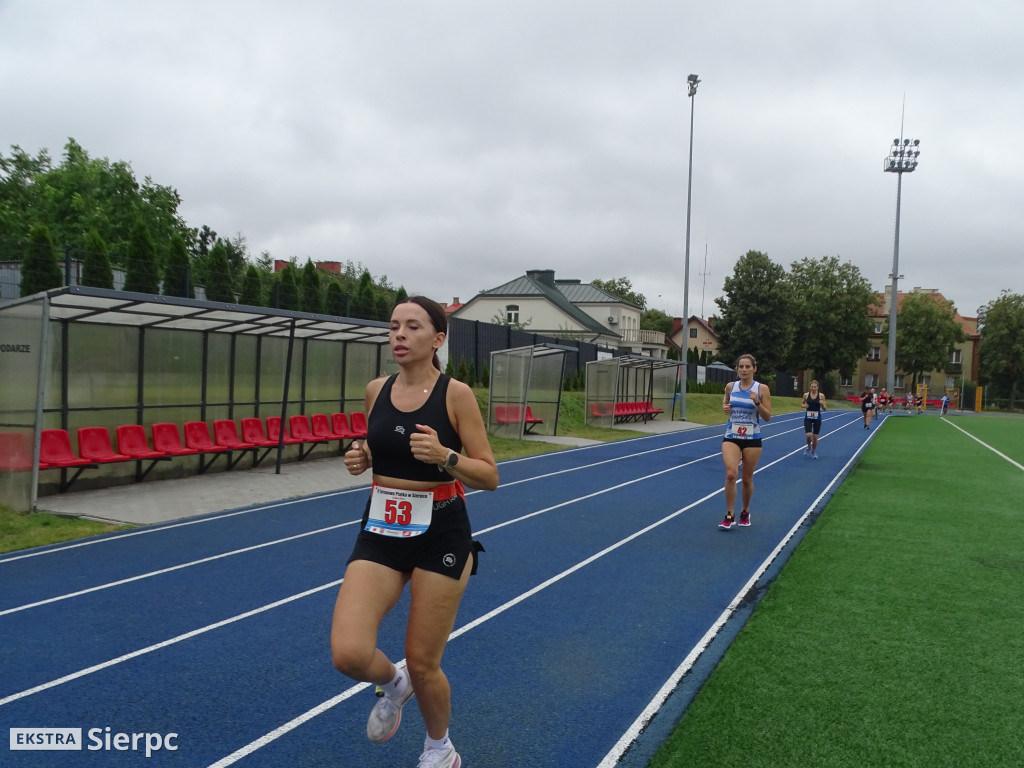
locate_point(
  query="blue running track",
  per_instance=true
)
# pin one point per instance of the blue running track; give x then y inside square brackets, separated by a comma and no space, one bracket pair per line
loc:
[606,588]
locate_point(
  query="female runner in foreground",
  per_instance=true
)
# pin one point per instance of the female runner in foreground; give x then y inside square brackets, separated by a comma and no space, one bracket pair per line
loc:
[746,403]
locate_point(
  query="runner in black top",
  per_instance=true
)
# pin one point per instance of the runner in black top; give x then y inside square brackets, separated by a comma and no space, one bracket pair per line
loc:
[867,405]
[814,405]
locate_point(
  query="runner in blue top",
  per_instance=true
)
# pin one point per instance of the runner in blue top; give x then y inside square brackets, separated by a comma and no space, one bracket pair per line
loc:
[746,403]
[814,403]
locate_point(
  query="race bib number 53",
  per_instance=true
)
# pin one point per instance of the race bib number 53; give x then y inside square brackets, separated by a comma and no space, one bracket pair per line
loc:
[399,513]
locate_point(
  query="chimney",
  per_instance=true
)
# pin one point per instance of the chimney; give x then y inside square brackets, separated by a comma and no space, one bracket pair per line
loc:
[546,276]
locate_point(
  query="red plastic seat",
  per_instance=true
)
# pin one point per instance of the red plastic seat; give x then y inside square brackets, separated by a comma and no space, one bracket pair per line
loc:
[322,427]
[298,425]
[340,423]
[357,424]
[167,439]
[274,430]
[55,450]
[16,452]
[252,432]
[197,436]
[225,434]
[94,444]
[131,441]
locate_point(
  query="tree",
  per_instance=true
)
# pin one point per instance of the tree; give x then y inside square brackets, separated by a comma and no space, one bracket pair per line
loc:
[143,275]
[363,304]
[621,288]
[1002,341]
[335,303]
[178,275]
[831,326]
[252,288]
[926,331]
[40,270]
[756,314]
[656,320]
[219,285]
[96,270]
[312,296]
[288,288]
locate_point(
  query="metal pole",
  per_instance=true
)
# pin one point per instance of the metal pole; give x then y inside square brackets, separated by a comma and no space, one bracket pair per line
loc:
[692,82]
[890,378]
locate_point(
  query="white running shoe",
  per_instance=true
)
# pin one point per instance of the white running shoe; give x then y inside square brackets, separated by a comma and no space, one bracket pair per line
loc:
[440,758]
[386,715]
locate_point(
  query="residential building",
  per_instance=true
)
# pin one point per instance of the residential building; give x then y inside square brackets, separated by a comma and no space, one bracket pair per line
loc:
[565,308]
[964,364]
[700,335]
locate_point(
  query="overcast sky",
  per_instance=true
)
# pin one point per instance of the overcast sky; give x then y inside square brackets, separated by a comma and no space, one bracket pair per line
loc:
[453,144]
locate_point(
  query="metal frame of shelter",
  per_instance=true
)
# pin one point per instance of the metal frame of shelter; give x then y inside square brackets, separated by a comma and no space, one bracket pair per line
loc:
[79,356]
[630,378]
[526,382]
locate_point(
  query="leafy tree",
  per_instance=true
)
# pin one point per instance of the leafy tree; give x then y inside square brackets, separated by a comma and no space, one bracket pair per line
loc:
[400,296]
[830,315]
[40,270]
[756,314]
[96,270]
[312,297]
[926,331]
[252,288]
[621,287]
[288,288]
[178,275]
[363,299]
[142,273]
[655,320]
[18,192]
[1002,341]
[336,300]
[219,285]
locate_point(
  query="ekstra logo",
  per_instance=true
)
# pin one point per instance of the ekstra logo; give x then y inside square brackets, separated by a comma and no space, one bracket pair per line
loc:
[46,738]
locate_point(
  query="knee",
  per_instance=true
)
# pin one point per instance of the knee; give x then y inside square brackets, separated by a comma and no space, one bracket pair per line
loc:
[351,660]
[731,473]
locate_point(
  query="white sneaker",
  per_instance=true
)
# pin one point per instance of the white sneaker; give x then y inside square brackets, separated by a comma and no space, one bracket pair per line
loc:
[386,715]
[440,758]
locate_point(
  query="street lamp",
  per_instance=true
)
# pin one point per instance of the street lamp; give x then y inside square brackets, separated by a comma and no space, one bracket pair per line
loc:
[902,159]
[691,82]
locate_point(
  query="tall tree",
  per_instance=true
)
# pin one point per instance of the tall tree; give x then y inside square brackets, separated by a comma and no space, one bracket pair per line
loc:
[756,314]
[1002,341]
[831,326]
[363,300]
[219,285]
[252,287]
[288,288]
[311,289]
[655,320]
[96,270]
[143,275]
[622,287]
[336,300]
[178,279]
[40,270]
[926,332]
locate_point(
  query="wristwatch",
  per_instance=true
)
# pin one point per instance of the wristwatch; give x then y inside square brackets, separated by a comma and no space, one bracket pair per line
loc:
[452,460]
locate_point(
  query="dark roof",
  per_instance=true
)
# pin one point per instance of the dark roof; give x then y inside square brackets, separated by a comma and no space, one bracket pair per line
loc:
[542,283]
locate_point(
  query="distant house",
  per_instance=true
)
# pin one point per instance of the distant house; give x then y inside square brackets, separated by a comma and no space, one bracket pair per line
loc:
[701,335]
[568,309]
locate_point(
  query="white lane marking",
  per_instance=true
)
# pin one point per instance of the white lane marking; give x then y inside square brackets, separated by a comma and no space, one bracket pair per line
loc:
[997,453]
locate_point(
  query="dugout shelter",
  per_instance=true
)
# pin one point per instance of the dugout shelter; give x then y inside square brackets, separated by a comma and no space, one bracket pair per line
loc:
[631,388]
[526,390]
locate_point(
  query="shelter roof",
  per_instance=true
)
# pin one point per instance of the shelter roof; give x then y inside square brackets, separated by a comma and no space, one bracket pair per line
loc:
[102,306]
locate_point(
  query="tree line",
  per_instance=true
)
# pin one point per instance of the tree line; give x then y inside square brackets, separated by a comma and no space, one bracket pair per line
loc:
[97,213]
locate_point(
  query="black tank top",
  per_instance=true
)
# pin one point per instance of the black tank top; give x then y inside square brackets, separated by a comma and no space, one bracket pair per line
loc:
[388,431]
[815,404]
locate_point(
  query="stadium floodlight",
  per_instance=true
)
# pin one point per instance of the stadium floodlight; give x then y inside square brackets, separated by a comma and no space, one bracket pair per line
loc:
[691,82]
[902,159]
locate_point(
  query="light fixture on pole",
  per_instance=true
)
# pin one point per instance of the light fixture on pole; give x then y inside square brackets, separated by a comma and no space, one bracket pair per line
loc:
[691,82]
[902,159]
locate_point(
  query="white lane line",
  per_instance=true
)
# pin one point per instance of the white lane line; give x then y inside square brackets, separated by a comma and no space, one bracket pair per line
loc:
[305,717]
[160,529]
[633,732]
[164,643]
[171,569]
[997,453]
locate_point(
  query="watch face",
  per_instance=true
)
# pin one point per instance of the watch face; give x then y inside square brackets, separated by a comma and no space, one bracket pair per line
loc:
[453,459]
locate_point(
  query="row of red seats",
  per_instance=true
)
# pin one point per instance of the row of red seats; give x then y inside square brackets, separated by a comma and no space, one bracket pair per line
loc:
[513,414]
[95,447]
[626,411]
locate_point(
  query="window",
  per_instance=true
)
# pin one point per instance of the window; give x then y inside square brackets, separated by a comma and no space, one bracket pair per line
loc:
[926,381]
[871,380]
[875,353]
[878,326]
[957,356]
[950,382]
[512,313]
[846,381]
[898,381]
[693,333]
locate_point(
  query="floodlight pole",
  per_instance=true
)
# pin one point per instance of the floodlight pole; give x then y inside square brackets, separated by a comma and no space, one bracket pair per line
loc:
[691,82]
[902,159]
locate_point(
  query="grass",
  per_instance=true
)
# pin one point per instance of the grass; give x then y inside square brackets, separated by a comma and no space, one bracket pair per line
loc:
[892,636]
[21,531]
